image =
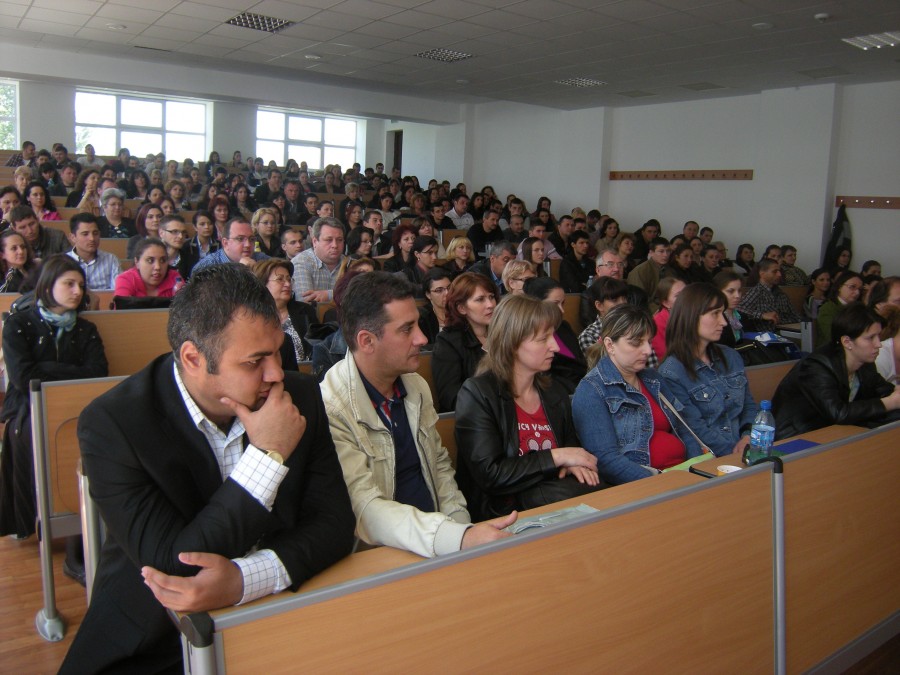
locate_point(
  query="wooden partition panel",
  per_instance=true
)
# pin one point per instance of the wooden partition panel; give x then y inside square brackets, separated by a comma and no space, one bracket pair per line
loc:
[679,586]
[843,531]
[572,310]
[132,338]
[764,380]
[63,403]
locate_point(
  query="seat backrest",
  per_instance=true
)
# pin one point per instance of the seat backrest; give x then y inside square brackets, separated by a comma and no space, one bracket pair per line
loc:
[764,380]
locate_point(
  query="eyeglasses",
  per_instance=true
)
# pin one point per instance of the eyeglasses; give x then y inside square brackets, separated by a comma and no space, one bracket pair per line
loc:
[280,279]
[612,265]
[240,239]
[176,233]
[440,290]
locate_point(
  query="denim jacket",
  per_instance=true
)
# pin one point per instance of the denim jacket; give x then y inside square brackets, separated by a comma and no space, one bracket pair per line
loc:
[718,405]
[614,421]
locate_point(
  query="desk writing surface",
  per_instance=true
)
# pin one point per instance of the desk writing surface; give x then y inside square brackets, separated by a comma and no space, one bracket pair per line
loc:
[384,558]
[836,432]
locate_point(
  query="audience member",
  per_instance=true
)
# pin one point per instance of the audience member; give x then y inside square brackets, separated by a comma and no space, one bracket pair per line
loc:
[402,240]
[667,293]
[460,256]
[838,383]
[568,365]
[100,268]
[267,240]
[577,267]
[602,295]
[424,252]
[707,378]
[790,273]
[459,214]
[534,252]
[295,317]
[744,261]
[151,276]
[459,347]
[191,529]
[624,413]
[16,262]
[766,302]
[44,241]
[648,273]
[517,444]
[37,197]
[846,289]
[433,315]
[515,274]
[315,269]
[888,357]
[237,247]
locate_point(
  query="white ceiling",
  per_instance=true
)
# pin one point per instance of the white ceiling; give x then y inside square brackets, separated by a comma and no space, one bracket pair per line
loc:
[647,51]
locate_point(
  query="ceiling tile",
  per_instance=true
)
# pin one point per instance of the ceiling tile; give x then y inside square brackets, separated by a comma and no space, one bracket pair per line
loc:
[128,28]
[308,32]
[205,50]
[633,10]
[221,41]
[156,43]
[452,9]
[200,11]
[283,10]
[105,35]
[38,27]
[167,33]
[158,5]
[371,10]
[57,16]
[417,19]
[361,40]
[7,21]
[129,14]
[9,10]
[502,20]
[187,23]
[386,30]
[337,21]
[76,6]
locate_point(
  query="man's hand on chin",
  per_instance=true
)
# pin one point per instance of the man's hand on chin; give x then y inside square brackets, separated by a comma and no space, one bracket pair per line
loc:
[218,584]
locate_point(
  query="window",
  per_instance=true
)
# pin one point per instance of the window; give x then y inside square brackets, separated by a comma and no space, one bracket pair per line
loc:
[143,125]
[9,106]
[317,141]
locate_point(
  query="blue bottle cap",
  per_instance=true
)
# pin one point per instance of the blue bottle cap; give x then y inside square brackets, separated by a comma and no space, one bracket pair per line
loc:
[765,405]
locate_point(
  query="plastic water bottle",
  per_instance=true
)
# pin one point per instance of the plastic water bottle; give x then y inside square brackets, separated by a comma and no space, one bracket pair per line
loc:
[762,434]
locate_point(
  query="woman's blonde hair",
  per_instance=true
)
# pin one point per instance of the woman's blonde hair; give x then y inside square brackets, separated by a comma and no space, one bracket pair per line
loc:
[259,213]
[516,319]
[455,243]
[516,268]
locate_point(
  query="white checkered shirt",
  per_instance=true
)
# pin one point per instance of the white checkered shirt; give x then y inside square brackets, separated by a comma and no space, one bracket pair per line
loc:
[253,470]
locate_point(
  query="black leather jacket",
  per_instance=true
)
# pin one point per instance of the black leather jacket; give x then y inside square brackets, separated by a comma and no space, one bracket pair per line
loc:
[493,477]
[457,353]
[816,394]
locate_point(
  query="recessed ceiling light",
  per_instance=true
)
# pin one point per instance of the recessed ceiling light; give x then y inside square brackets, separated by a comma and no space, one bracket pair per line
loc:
[267,24]
[580,82]
[445,55]
[874,41]
[762,25]
[116,26]
[312,57]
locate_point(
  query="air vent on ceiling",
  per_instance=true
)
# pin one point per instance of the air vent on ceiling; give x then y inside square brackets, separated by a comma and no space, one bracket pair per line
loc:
[581,82]
[267,24]
[444,55]
[701,86]
[874,41]
[635,93]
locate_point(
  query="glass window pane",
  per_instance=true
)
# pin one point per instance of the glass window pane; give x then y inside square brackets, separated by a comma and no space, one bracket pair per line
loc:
[311,154]
[270,150]
[270,125]
[179,146]
[189,117]
[102,138]
[340,132]
[8,134]
[141,144]
[141,113]
[7,100]
[304,129]
[95,108]
[343,156]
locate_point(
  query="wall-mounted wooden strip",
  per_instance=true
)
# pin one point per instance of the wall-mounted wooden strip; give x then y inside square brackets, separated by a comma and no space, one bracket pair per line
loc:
[868,202]
[684,174]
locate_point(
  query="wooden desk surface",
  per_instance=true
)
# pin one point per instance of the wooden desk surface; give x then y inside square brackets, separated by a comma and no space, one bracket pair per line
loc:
[830,434]
[384,558]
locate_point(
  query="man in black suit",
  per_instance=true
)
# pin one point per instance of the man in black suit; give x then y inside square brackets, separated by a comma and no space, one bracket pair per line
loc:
[215,473]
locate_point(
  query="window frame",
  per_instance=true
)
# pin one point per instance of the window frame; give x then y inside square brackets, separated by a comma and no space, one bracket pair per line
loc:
[162,130]
[287,141]
[16,142]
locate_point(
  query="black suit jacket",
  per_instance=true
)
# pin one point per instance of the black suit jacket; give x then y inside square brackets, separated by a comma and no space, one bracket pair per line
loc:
[160,492]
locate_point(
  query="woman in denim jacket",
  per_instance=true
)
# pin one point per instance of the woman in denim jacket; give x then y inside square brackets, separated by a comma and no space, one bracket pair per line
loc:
[618,408]
[708,378]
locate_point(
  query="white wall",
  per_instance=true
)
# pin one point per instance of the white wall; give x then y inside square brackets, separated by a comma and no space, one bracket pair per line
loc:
[419,147]
[534,151]
[47,113]
[869,165]
[234,128]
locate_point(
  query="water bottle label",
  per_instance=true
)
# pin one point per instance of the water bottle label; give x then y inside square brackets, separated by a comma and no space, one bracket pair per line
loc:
[762,437]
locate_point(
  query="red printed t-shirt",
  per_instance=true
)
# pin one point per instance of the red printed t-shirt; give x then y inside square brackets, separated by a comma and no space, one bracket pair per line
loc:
[535,432]
[665,448]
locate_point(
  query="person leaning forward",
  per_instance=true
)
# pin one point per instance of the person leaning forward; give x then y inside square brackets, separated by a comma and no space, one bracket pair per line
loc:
[216,476]
[383,420]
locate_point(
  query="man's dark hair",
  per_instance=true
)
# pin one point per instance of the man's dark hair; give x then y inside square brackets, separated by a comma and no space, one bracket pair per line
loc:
[202,310]
[27,144]
[363,305]
[171,218]
[704,230]
[766,264]
[19,213]
[607,288]
[540,287]
[226,231]
[80,218]
[457,194]
[272,172]
[577,236]
[10,190]
[498,248]
[658,241]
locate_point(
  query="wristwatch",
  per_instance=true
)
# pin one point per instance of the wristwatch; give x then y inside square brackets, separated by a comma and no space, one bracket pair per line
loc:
[273,455]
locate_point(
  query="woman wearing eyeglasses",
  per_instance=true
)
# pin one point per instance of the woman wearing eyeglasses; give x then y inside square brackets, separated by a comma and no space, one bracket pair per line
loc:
[296,317]
[845,289]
